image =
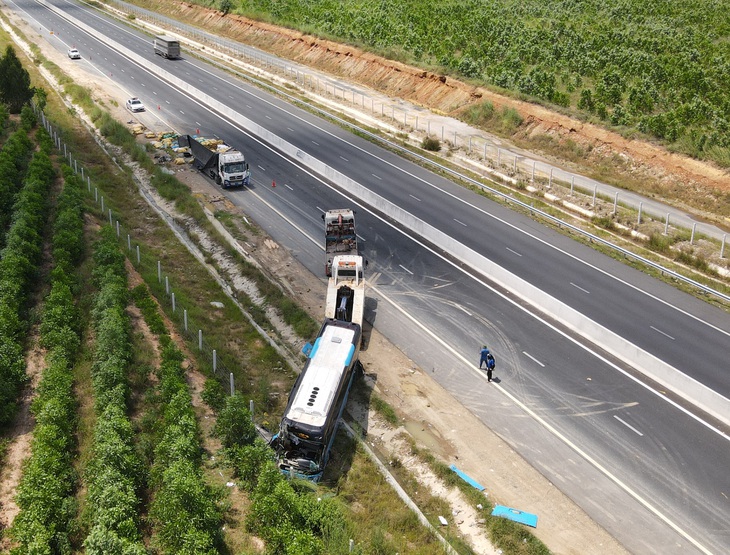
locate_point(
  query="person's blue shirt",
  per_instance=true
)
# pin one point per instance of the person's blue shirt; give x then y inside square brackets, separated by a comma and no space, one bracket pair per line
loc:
[484,352]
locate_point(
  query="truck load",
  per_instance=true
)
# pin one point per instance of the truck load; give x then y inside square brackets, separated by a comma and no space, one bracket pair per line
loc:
[346,290]
[340,237]
[168,47]
[219,161]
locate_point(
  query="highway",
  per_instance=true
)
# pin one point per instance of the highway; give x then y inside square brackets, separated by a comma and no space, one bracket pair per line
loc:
[644,465]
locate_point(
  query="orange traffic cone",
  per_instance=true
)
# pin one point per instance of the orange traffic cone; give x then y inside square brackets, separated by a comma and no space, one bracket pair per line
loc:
[273,183]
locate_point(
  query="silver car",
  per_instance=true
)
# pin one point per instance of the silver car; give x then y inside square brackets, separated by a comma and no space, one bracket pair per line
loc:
[74,54]
[134,104]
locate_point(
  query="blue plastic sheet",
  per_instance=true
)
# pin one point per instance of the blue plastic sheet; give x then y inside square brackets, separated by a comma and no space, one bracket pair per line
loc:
[468,479]
[514,514]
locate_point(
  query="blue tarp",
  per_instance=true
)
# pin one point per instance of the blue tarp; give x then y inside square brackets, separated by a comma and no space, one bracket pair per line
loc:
[469,480]
[516,515]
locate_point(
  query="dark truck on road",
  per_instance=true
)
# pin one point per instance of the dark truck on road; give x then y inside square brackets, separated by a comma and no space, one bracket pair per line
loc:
[167,47]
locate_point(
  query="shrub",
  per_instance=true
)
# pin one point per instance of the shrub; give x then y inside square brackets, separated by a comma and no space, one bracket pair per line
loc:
[214,394]
[234,426]
[431,144]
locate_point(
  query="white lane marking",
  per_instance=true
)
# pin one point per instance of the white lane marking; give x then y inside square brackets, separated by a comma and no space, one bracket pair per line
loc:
[167,101]
[154,92]
[198,124]
[290,129]
[287,186]
[263,169]
[629,426]
[406,269]
[183,113]
[345,159]
[461,223]
[415,198]
[662,332]
[377,177]
[513,251]
[532,358]
[315,143]
[579,287]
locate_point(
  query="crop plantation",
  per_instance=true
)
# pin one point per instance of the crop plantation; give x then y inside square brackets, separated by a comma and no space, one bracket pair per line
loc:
[660,68]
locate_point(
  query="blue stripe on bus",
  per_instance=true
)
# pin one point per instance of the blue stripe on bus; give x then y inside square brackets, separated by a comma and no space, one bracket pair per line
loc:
[349,355]
[314,349]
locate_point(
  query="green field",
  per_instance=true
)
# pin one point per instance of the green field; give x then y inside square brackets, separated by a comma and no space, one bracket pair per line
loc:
[658,66]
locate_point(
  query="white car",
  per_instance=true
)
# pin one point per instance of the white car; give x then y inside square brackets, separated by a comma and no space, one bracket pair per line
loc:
[134,104]
[74,54]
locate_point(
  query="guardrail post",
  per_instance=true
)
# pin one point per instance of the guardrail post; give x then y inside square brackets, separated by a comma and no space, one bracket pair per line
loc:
[185,319]
[250,406]
[233,388]
[641,206]
[129,242]
[666,224]
[173,301]
[200,340]
[159,272]
[615,203]
[215,361]
[572,184]
[692,237]
[167,286]
[138,259]
[595,190]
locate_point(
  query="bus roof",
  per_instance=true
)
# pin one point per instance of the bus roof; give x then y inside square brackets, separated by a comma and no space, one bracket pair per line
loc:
[331,355]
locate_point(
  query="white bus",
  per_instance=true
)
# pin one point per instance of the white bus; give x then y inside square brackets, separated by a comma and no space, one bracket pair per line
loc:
[317,401]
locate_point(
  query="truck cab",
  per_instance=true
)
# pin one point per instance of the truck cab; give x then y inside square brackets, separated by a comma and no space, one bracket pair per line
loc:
[233,169]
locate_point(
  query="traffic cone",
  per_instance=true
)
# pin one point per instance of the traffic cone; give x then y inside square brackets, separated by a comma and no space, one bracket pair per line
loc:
[273,183]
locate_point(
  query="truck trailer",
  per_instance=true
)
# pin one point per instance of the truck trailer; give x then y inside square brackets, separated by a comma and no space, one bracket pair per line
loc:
[340,237]
[219,161]
[168,47]
[346,290]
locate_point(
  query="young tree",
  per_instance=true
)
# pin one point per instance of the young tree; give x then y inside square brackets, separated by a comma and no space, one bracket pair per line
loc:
[15,89]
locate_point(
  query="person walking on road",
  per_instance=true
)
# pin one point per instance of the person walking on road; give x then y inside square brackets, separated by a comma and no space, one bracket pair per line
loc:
[483,357]
[491,363]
